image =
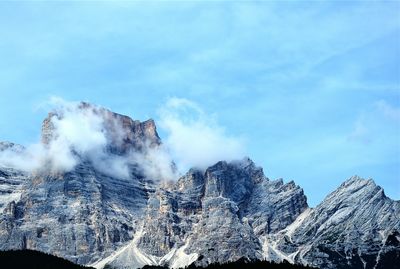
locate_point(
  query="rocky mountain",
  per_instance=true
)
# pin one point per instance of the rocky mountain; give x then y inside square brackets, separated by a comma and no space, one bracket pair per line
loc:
[214,216]
[356,226]
[232,210]
[83,214]
[228,211]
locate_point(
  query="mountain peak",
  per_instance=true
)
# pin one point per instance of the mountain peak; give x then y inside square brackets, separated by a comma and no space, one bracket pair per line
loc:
[121,132]
[353,191]
[356,183]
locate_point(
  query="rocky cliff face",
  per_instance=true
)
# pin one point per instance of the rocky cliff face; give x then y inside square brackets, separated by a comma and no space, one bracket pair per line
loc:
[83,214]
[232,210]
[11,180]
[76,215]
[213,216]
[226,212]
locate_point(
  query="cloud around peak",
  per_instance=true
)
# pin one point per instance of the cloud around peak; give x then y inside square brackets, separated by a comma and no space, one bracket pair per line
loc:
[75,132]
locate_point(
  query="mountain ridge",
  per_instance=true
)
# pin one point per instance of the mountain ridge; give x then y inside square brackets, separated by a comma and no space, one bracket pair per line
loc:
[223,213]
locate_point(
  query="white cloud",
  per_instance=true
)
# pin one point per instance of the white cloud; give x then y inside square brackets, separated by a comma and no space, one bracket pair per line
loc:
[194,138]
[156,163]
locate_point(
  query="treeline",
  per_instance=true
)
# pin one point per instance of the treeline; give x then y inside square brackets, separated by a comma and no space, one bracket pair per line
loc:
[31,259]
[242,264]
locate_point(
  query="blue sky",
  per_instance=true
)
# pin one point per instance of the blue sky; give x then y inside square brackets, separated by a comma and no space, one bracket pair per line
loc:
[313,88]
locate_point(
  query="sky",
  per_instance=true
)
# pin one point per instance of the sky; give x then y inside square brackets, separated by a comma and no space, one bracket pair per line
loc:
[311,89]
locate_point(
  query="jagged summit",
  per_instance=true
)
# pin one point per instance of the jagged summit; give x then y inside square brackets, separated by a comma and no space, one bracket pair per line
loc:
[355,181]
[354,190]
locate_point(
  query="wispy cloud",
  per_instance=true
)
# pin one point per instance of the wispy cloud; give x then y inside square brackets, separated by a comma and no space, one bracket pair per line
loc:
[194,138]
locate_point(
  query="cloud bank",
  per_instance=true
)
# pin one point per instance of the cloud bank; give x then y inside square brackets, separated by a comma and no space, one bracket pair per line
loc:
[194,138]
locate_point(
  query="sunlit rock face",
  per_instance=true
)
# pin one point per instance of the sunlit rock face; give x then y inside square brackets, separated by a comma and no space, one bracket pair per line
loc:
[355,226]
[216,215]
[91,214]
[231,210]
